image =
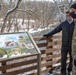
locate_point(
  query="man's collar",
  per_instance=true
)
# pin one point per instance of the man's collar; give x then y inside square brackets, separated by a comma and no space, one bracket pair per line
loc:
[70,21]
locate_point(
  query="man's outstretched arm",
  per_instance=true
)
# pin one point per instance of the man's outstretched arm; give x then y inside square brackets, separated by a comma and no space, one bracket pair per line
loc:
[56,30]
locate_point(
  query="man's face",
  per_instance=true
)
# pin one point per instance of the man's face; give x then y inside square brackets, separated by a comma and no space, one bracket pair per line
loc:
[68,17]
[73,13]
[73,10]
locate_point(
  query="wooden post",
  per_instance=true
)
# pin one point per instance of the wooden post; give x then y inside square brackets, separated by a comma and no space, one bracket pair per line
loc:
[49,41]
[3,64]
[39,64]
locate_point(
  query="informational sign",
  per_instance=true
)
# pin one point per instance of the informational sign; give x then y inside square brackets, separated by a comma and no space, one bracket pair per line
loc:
[16,44]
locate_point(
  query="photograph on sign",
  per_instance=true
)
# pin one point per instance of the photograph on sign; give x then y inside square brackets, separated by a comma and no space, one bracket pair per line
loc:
[13,45]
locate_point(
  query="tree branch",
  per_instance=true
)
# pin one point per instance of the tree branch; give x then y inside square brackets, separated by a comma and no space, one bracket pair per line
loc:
[69,2]
[8,13]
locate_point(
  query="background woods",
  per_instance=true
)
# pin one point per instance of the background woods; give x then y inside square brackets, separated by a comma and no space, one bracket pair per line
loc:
[23,15]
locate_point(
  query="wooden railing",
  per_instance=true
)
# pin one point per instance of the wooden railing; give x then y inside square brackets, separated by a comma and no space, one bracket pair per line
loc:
[50,59]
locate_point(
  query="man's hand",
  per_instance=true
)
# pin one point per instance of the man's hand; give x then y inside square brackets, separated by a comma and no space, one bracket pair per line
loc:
[46,35]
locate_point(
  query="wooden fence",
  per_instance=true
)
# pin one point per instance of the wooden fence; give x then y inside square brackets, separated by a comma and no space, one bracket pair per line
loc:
[50,59]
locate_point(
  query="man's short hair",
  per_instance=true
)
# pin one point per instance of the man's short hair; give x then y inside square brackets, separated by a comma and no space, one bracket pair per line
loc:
[73,6]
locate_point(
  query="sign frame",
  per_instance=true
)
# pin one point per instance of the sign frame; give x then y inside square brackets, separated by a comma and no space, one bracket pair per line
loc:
[38,54]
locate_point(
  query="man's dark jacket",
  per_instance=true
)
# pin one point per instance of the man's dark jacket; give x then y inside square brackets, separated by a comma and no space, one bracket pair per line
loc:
[67,33]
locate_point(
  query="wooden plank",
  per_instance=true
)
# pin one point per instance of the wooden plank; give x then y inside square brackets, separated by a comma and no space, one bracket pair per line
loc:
[42,45]
[14,65]
[19,57]
[52,50]
[49,57]
[41,38]
[45,44]
[21,70]
[53,56]
[43,51]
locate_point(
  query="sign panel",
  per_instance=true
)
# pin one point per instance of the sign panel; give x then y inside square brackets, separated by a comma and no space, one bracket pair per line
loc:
[16,44]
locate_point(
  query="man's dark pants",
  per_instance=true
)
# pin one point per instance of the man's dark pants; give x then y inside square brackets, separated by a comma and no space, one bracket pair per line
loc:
[64,54]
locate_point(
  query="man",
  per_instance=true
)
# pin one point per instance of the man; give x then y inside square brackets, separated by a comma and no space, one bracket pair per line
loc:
[73,14]
[67,28]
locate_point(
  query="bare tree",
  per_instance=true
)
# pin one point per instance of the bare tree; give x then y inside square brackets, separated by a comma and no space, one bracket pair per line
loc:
[42,12]
[9,12]
[69,2]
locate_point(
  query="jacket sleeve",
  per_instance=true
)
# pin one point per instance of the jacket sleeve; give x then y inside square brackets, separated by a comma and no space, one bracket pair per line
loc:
[56,30]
